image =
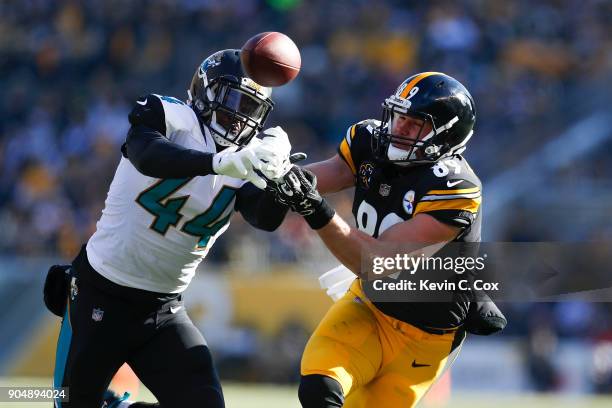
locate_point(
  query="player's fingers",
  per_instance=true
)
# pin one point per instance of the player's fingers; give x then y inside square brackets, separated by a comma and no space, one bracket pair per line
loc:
[257,181]
[294,182]
[239,166]
[251,159]
[310,183]
[266,152]
[297,157]
[273,149]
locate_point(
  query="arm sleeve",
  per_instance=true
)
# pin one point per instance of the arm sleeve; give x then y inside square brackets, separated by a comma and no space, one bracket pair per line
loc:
[259,208]
[155,156]
[150,151]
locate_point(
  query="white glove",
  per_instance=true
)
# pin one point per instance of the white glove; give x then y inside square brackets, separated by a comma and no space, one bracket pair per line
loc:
[273,150]
[239,164]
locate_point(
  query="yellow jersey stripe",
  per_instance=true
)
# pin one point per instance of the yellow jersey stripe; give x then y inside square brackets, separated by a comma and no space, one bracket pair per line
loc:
[350,134]
[463,204]
[414,81]
[345,152]
[457,191]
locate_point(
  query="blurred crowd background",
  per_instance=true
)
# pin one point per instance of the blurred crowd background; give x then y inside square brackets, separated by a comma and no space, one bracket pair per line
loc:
[540,73]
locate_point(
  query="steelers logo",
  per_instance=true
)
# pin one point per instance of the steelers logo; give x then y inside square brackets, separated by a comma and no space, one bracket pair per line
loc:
[408,202]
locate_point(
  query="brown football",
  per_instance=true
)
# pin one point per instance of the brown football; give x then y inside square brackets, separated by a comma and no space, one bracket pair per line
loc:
[271,58]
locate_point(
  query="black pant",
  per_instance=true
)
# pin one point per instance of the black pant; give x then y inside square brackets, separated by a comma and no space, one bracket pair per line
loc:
[107,325]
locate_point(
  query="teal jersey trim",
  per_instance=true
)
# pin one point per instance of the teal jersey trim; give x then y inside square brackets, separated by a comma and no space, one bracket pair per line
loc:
[61,354]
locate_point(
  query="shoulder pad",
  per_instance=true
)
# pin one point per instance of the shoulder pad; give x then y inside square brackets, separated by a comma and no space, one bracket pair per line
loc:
[148,111]
[360,128]
[454,171]
[367,125]
[355,146]
[451,192]
[178,115]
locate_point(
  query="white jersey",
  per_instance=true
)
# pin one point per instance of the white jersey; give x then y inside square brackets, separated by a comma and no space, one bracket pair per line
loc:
[153,233]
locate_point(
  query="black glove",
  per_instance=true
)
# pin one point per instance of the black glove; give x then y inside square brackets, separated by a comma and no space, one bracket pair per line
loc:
[298,190]
[57,288]
[484,317]
[288,189]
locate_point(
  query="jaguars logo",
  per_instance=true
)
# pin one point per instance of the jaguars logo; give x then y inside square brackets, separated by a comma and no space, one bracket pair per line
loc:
[365,174]
[209,62]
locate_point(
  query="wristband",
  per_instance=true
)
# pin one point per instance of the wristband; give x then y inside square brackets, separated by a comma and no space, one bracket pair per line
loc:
[321,216]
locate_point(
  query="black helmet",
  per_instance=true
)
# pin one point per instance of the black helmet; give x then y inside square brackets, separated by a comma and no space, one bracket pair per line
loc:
[433,98]
[227,101]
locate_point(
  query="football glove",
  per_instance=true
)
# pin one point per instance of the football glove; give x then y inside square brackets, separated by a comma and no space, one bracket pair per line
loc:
[273,150]
[57,288]
[484,317]
[294,188]
[240,164]
[298,190]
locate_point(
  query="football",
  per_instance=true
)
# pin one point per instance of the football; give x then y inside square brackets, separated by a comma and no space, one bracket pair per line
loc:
[271,58]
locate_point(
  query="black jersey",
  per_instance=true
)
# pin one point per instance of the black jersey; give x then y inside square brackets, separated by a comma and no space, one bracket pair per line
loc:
[386,194]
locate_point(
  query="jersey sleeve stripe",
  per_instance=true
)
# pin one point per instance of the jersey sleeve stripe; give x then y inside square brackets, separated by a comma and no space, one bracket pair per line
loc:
[415,81]
[456,191]
[462,204]
[449,196]
[350,134]
[345,153]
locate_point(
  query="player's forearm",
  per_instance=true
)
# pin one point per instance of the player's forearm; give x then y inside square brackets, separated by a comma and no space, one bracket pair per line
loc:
[259,208]
[155,156]
[346,243]
[325,180]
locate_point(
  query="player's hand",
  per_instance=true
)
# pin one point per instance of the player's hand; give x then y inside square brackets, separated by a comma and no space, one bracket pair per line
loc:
[298,189]
[273,149]
[241,164]
[274,185]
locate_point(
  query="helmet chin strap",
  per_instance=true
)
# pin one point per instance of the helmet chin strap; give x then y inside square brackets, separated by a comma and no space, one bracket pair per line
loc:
[220,141]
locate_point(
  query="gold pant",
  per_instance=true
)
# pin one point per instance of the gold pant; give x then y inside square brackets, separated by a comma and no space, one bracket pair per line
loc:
[379,361]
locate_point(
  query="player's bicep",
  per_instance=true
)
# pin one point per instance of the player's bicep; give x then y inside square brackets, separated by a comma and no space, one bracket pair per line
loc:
[421,228]
[332,175]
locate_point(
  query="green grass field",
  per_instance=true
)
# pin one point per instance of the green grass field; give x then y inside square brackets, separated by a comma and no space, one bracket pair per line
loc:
[275,396]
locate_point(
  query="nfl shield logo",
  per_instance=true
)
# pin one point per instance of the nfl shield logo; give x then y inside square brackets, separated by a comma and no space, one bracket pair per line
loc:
[97,314]
[384,190]
[74,289]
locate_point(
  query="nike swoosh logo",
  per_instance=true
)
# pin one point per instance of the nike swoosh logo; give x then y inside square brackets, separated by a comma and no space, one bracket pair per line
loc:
[416,365]
[174,309]
[142,103]
[453,183]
